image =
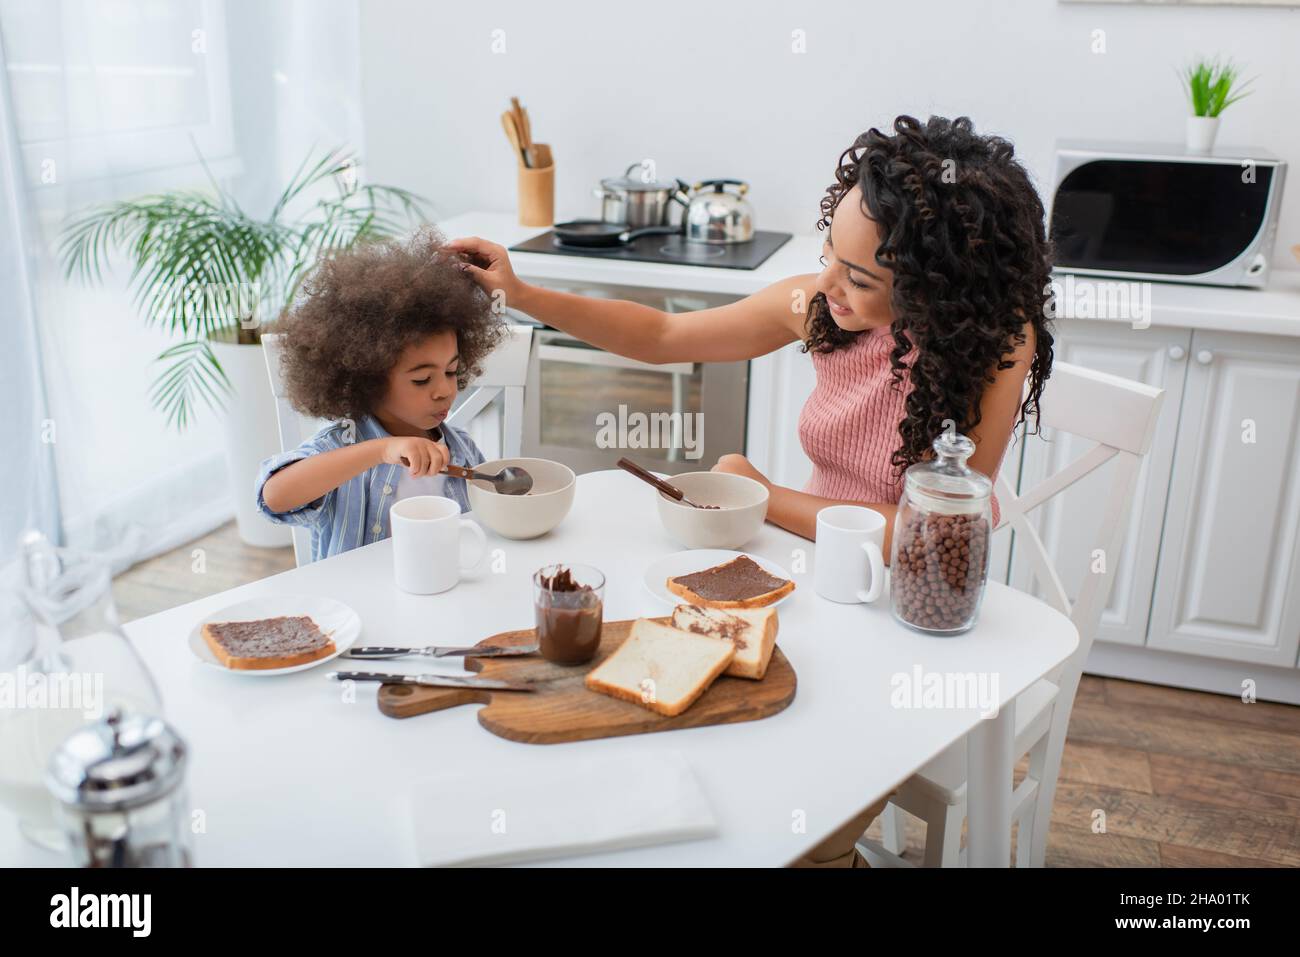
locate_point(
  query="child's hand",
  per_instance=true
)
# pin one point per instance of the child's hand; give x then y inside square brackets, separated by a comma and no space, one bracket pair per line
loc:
[422,456]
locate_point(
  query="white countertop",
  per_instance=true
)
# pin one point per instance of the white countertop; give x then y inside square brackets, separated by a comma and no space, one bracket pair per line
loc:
[1274,310]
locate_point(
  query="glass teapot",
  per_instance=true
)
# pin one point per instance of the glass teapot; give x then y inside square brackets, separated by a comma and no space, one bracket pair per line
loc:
[64,662]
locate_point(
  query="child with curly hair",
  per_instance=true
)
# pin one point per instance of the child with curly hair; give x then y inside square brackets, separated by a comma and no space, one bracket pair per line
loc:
[383,338]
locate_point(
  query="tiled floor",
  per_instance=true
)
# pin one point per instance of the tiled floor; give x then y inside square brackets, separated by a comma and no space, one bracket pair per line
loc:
[1185,779]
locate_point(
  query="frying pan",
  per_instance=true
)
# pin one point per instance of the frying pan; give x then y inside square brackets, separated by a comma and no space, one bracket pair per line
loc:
[597,233]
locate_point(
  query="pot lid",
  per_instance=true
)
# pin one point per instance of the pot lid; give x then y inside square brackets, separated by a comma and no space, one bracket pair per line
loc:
[636,179]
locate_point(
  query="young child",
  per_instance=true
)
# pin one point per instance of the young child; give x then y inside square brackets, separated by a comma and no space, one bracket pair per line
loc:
[382,340]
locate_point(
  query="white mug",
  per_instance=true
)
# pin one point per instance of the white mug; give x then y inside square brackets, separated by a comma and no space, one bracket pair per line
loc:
[850,540]
[427,540]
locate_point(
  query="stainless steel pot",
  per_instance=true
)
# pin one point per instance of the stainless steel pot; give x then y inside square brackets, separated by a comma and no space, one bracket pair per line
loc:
[636,201]
[717,216]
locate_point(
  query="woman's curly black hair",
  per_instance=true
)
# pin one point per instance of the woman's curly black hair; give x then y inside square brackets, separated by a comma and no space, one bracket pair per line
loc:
[359,310]
[961,227]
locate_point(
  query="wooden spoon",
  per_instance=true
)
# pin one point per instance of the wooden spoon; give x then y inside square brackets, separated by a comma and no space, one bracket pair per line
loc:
[525,130]
[512,134]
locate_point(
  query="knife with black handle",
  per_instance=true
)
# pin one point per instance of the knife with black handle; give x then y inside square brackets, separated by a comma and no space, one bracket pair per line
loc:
[434,681]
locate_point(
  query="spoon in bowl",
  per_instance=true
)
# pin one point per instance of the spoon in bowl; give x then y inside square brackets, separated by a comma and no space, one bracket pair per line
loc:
[672,491]
[511,480]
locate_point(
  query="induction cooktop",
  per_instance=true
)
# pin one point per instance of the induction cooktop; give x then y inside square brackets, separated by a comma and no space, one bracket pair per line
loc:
[671,248]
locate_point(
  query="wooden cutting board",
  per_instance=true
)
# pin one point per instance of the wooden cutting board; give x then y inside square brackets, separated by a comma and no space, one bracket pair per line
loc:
[563,709]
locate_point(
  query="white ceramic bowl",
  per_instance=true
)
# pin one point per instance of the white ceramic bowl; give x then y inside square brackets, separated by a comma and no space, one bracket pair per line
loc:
[523,516]
[744,507]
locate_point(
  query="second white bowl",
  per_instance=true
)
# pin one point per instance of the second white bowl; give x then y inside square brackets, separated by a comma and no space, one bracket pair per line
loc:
[743,507]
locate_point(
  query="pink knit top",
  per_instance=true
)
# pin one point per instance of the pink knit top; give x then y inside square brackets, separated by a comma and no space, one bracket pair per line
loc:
[849,425]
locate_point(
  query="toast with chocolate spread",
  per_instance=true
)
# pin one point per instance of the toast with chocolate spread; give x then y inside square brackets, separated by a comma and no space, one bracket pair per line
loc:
[739,583]
[267,642]
[751,630]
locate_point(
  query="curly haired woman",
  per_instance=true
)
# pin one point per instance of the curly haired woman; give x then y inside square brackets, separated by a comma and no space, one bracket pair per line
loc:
[929,309]
[383,338]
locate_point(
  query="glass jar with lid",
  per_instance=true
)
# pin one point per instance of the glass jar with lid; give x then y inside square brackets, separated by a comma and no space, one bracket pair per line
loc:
[940,550]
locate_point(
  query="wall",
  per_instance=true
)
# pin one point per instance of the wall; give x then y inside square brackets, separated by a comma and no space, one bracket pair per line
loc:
[711,90]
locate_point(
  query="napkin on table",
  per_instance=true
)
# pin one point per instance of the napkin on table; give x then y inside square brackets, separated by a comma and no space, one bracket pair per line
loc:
[573,805]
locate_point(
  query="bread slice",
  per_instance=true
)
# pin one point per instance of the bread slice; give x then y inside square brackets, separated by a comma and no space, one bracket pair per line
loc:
[267,642]
[751,630]
[739,583]
[661,668]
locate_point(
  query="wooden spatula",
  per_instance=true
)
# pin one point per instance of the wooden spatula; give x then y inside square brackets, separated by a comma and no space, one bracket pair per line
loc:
[512,134]
[525,129]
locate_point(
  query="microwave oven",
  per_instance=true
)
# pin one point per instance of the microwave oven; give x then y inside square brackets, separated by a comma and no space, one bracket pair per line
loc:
[1158,212]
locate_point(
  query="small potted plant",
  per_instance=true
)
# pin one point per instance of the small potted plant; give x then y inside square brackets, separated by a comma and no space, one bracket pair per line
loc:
[1211,88]
[211,274]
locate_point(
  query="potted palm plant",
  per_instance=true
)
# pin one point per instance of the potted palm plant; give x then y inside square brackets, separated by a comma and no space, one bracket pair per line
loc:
[211,275]
[1211,88]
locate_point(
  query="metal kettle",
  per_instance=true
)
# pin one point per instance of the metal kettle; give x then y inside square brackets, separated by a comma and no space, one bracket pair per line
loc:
[716,215]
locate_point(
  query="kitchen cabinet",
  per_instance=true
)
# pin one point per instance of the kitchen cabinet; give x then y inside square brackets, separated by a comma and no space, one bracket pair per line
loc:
[1157,357]
[1228,580]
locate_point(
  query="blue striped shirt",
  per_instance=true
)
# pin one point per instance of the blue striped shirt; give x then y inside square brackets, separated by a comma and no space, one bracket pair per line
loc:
[356,513]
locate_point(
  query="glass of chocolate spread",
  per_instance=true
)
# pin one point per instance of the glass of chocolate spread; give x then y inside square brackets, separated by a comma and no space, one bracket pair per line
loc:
[568,604]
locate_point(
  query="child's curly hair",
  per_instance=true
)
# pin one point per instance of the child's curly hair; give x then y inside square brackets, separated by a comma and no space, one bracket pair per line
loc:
[362,307]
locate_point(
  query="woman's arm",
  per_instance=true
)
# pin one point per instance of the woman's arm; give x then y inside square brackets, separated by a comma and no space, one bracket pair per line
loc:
[797,511]
[999,408]
[751,327]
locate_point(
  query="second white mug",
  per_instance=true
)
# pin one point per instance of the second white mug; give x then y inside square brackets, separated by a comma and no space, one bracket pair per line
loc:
[427,543]
[850,557]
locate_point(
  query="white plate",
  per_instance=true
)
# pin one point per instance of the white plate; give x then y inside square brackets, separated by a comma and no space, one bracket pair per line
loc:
[336,619]
[696,560]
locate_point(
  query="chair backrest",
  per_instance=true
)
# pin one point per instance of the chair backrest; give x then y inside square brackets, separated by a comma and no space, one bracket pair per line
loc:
[1120,416]
[505,372]
[294,428]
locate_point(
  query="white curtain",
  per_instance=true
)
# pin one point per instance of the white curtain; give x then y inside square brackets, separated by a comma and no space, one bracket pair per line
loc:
[27,467]
[110,101]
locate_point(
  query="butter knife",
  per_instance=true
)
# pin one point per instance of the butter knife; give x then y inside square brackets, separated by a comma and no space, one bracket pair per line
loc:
[434,681]
[439,651]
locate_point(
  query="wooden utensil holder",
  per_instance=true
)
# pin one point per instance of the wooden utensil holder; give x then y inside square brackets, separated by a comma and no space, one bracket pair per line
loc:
[537,189]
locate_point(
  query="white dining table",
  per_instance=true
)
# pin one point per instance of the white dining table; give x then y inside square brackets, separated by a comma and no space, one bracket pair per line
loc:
[286,772]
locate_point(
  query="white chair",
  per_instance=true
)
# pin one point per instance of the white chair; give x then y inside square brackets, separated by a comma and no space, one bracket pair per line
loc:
[505,372]
[1120,416]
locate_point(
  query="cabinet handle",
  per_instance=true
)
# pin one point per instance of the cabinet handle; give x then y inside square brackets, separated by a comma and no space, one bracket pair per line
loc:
[1205,357]
[1177,353]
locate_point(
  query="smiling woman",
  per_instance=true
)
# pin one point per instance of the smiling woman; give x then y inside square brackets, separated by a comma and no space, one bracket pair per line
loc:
[928,315]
